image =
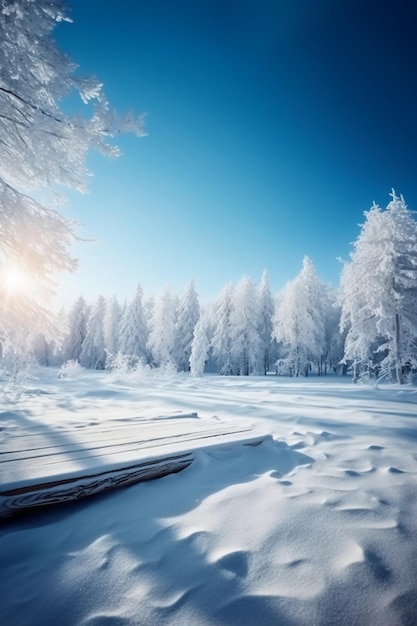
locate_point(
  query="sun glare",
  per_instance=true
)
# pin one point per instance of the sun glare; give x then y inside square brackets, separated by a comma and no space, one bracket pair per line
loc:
[15,280]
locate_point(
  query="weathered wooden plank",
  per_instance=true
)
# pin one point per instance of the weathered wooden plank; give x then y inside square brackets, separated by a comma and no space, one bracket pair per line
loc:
[64,473]
[16,472]
[107,426]
[49,437]
[104,446]
[62,490]
[35,435]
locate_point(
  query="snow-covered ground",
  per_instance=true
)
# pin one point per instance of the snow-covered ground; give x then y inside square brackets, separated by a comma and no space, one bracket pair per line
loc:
[317,526]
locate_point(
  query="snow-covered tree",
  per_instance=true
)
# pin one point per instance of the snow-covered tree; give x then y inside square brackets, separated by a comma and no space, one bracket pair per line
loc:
[333,347]
[93,353]
[161,339]
[266,312]
[244,322]
[77,329]
[111,325]
[200,347]
[221,341]
[133,329]
[188,313]
[298,322]
[379,290]
[42,149]
[41,349]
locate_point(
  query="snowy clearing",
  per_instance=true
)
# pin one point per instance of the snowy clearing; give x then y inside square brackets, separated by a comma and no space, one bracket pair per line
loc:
[315,526]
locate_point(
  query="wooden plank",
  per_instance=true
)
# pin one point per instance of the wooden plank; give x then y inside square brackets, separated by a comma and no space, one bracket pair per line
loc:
[16,500]
[112,444]
[52,433]
[16,471]
[63,470]
[49,437]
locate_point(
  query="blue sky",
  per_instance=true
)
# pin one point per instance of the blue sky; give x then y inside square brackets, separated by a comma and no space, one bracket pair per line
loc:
[272,126]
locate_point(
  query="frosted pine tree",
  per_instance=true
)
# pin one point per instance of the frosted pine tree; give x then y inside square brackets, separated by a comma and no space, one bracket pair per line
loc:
[133,328]
[379,291]
[246,348]
[148,308]
[199,348]
[111,325]
[266,313]
[188,313]
[41,349]
[43,148]
[93,354]
[299,320]
[333,347]
[77,329]
[221,341]
[161,341]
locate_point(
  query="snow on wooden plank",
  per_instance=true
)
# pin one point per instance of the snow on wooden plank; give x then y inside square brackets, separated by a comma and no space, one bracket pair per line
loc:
[80,463]
[68,489]
[87,457]
[101,446]
[39,437]
[113,426]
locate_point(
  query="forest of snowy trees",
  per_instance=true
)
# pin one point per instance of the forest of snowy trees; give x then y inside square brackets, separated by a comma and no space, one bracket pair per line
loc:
[367,327]
[244,332]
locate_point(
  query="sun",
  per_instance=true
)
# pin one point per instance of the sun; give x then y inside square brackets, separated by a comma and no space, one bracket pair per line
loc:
[15,280]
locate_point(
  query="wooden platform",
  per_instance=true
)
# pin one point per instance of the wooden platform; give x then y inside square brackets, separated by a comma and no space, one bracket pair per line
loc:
[44,466]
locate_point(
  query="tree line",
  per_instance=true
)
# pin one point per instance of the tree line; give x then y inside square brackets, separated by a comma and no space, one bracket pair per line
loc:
[367,326]
[240,333]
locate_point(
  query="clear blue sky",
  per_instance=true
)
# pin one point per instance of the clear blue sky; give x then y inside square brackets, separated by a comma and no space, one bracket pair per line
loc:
[272,125]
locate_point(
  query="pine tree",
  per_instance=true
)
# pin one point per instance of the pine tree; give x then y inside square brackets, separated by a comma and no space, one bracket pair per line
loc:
[298,322]
[199,348]
[77,329]
[221,341]
[379,291]
[41,349]
[333,346]
[244,322]
[133,329]
[266,312]
[93,354]
[188,313]
[111,325]
[161,339]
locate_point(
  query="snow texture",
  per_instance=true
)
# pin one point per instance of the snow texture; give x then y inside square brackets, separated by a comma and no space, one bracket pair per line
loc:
[315,526]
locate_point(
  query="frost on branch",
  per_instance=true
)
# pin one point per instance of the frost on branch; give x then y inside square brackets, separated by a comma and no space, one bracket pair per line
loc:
[41,148]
